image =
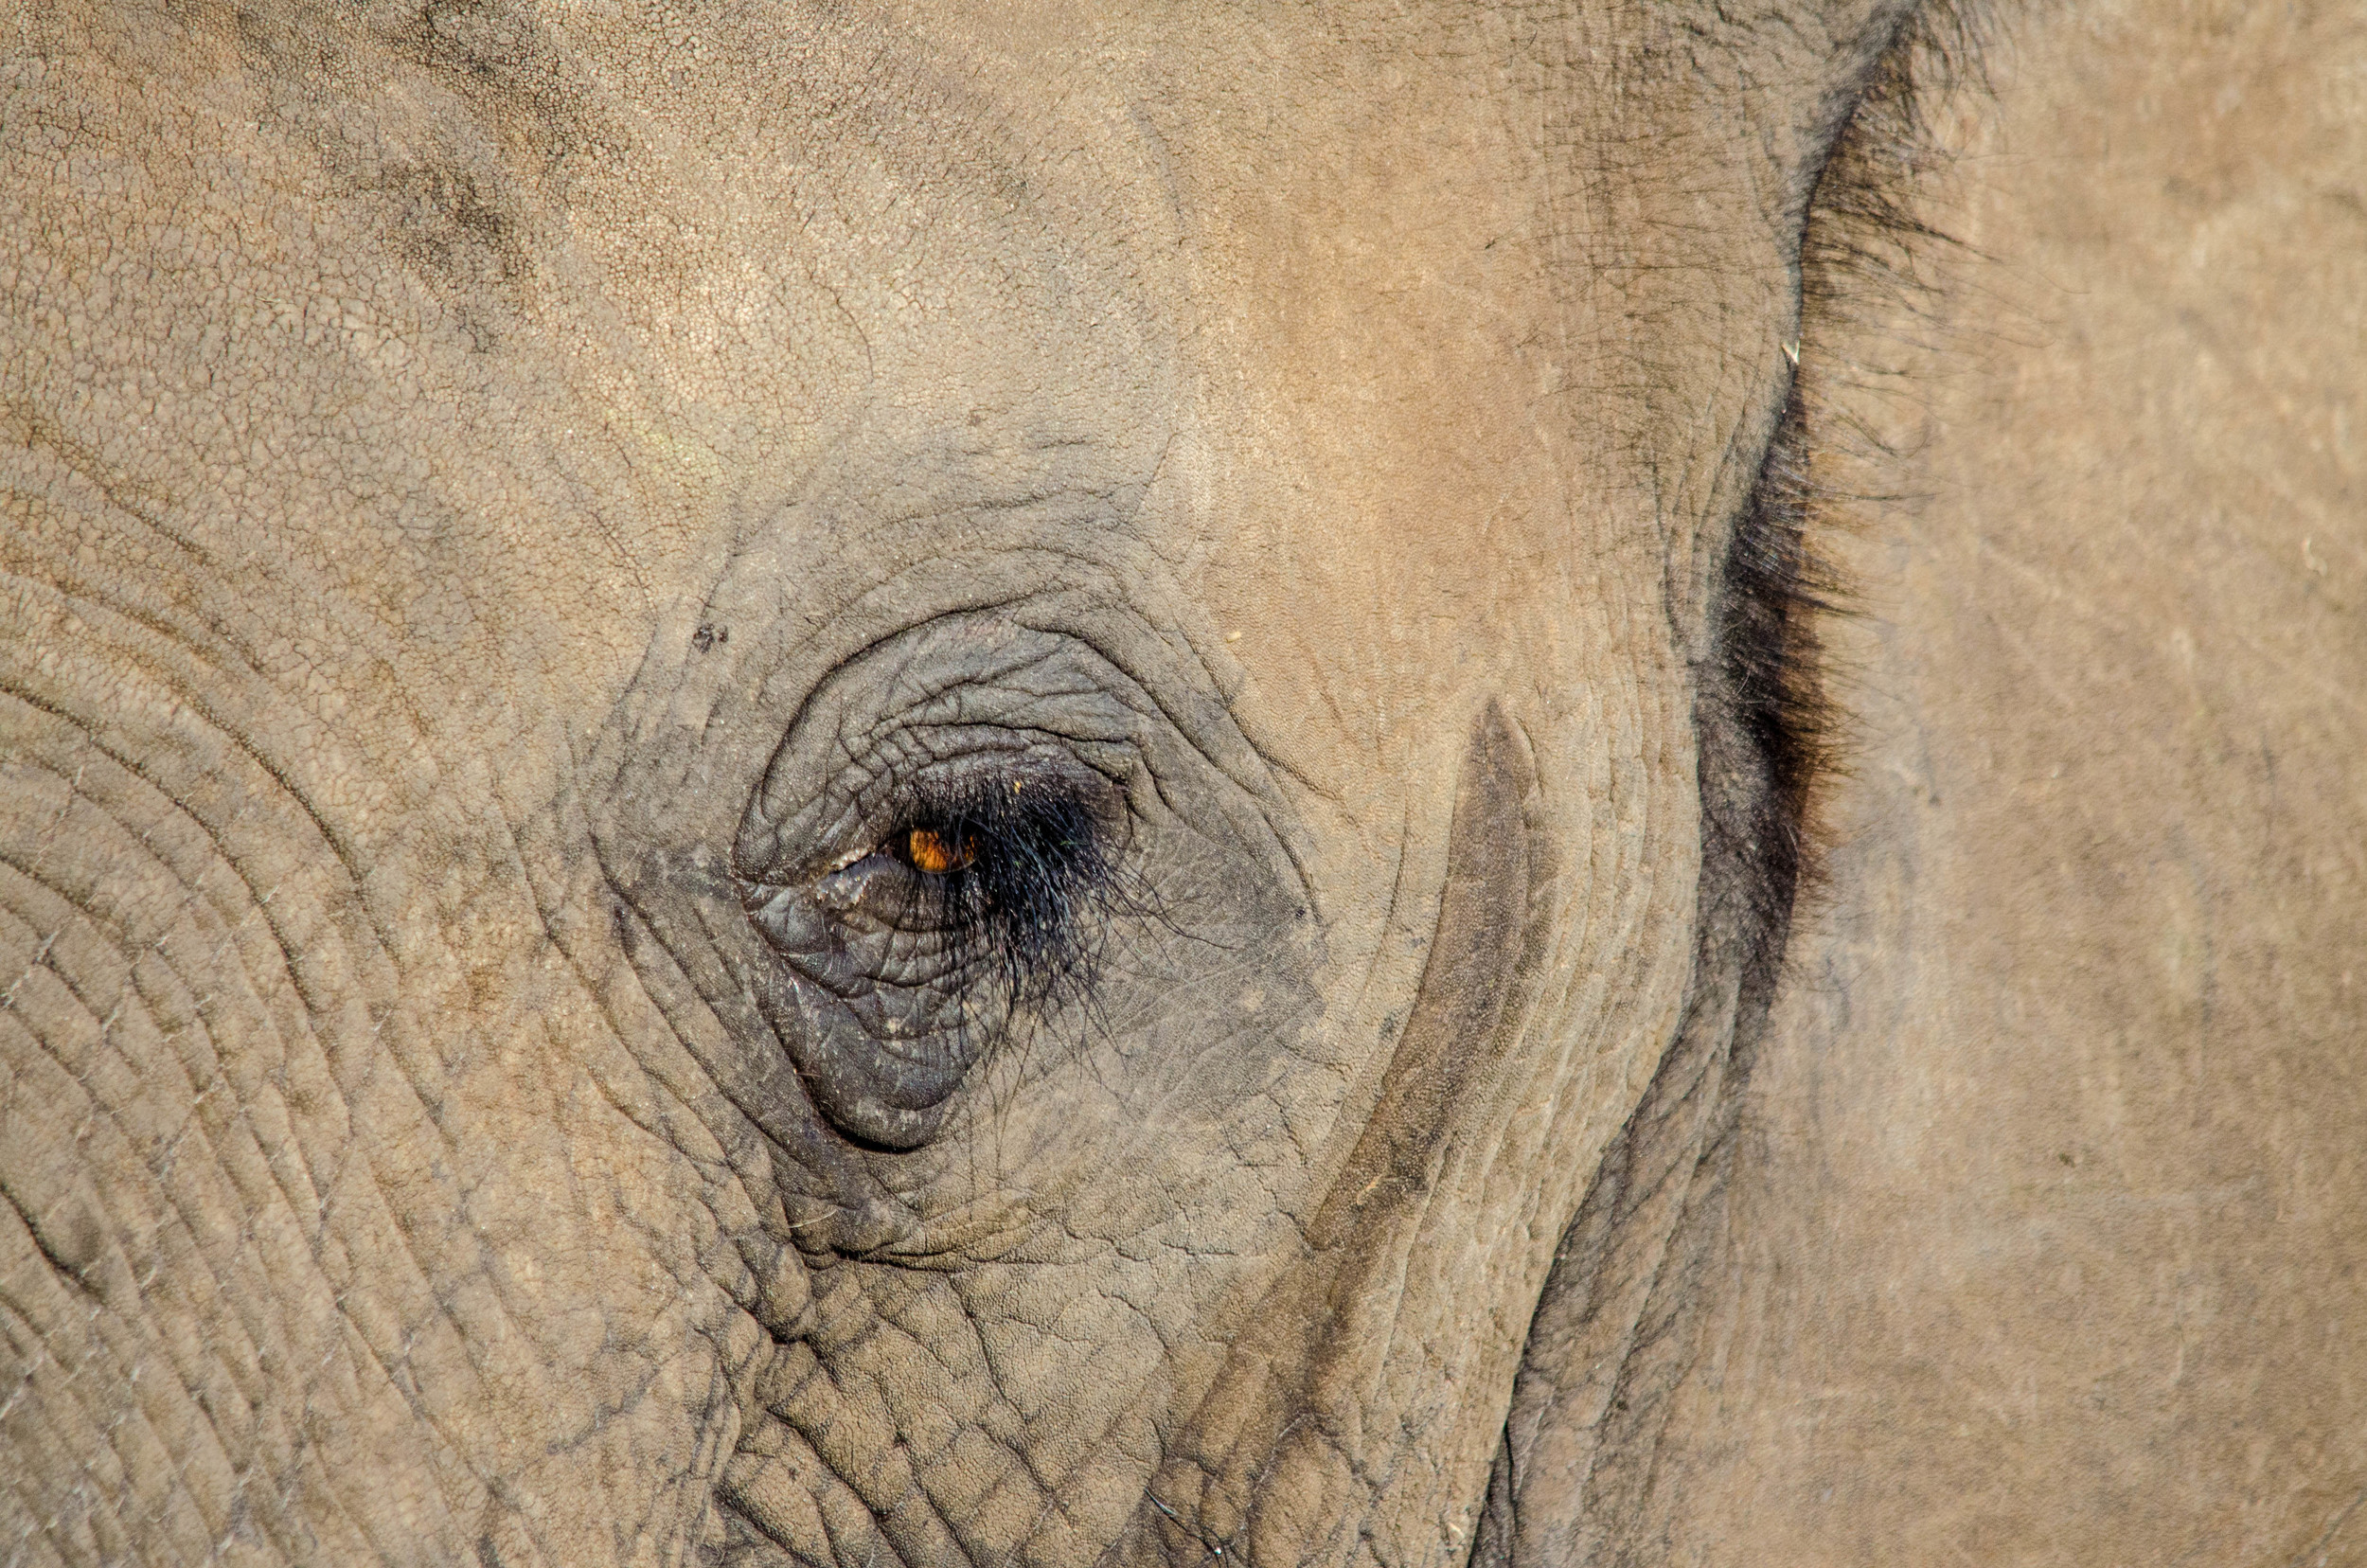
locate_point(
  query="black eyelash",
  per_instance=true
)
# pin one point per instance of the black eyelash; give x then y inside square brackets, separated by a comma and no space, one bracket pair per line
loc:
[1024,907]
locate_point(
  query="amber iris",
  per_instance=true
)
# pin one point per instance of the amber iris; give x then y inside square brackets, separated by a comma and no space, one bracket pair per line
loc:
[938,853]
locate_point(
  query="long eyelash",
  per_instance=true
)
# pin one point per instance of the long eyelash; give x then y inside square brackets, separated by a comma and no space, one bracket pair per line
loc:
[1027,906]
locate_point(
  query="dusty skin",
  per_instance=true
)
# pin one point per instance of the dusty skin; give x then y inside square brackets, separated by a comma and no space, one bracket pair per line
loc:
[1010,785]
[2051,1227]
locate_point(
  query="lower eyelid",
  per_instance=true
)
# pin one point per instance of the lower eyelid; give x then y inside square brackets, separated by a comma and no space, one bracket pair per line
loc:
[843,889]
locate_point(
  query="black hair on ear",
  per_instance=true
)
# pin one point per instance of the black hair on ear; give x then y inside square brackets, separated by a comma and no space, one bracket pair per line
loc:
[1769,730]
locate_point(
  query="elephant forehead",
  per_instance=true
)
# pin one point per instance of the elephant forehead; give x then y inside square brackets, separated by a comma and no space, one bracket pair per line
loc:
[1305,340]
[589,302]
[599,294]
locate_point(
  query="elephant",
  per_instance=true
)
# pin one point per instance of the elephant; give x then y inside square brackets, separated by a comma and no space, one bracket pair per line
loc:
[886,783]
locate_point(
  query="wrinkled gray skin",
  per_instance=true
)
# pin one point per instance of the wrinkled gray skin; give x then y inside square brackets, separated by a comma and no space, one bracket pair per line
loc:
[509,508]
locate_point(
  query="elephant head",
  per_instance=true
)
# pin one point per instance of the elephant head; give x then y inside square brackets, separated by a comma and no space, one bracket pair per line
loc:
[888,784]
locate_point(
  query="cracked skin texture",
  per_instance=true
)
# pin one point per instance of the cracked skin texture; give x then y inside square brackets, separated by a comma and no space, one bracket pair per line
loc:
[448,447]
[446,450]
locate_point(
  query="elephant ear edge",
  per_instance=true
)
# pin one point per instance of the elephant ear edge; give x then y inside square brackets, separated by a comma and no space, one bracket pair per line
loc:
[1618,1324]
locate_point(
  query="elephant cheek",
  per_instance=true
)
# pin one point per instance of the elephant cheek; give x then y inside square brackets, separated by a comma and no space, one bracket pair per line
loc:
[1290,1448]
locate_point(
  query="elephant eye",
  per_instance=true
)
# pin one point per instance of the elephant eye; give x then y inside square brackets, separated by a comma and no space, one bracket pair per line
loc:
[938,852]
[1014,875]
[989,890]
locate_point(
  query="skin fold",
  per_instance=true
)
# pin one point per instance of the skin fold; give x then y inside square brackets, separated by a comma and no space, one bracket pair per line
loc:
[890,784]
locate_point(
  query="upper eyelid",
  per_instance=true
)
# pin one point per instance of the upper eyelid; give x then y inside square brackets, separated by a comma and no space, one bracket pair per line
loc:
[952,692]
[884,786]
[875,816]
